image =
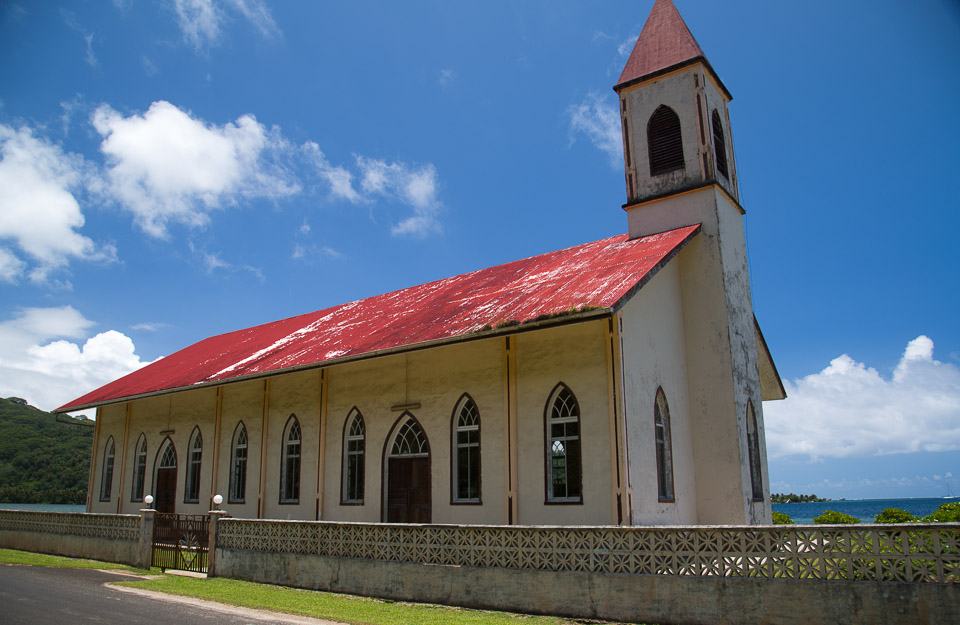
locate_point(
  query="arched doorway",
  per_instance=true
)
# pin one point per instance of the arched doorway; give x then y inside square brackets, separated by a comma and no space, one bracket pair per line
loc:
[407,497]
[165,482]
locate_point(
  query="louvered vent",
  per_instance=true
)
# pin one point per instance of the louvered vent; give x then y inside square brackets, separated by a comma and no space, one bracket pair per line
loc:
[719,145]
[664,141]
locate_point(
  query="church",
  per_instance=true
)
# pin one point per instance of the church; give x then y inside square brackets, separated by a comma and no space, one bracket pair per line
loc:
[620,381]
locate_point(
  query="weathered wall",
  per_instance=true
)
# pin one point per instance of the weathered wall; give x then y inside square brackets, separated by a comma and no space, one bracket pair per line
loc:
[110,538]
[633,598]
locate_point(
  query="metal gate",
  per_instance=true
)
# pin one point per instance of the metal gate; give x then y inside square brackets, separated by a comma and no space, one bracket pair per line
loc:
[180,542]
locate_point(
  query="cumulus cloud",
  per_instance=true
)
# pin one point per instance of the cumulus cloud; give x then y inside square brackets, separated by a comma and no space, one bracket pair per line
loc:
[41,365]
[597,119]
[200,20]
[850,410]
[38,208]
[166,166]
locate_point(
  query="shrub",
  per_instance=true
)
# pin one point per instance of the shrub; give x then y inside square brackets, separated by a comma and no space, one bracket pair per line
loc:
[779,518]
[947,513]
[831,517]
[895,515]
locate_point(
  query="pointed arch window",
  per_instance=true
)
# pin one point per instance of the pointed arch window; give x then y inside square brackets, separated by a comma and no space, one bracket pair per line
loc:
[661,424]
[664,141]
[191,491]
[290,471]
[466,451]
[106,478]
[719,144]
[564,470]
[410,441]
[238,465]
[753,450]
[139,468]
[354,441]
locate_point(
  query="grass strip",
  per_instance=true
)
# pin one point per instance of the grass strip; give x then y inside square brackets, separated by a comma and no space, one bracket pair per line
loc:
[13,556]
[332,606]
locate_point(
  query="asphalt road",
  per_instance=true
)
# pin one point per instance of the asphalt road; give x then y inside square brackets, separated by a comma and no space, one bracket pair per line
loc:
[33,595]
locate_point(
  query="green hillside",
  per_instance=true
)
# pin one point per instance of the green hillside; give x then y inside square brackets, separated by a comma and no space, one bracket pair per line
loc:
[41,460]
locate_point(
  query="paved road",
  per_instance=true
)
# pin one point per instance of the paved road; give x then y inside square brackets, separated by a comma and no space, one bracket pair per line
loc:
[32,595]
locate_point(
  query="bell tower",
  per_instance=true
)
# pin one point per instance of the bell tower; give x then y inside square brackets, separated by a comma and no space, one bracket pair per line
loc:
[675,117]
[680,170]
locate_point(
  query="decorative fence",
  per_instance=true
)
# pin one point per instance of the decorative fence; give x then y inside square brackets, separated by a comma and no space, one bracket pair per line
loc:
[108,526]
[911,553]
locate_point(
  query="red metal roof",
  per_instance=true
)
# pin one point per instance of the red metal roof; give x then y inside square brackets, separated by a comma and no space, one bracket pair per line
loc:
[665,41]
[600,275]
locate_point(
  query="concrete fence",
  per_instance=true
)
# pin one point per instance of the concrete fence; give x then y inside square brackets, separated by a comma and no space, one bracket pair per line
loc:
[705,575]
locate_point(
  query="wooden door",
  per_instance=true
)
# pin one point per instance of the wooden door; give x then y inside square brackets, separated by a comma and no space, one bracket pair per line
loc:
[166,490]
[408,492]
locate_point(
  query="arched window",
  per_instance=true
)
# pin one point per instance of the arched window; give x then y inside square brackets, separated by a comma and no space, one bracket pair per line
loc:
[562,420]
[139,469]
[191,491]
[664,143]
[661,424]
[106,478]
[165,477]
[753,449]
[719,145]
[466,451]
[410,441]
[238,465]
[354,439]
[407,492]
[290,471]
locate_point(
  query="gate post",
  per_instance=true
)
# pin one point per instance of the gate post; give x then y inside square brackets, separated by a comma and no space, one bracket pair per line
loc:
[148,518]
[215,516]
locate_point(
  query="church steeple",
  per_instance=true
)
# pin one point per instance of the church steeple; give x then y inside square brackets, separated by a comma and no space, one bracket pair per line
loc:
[673,108]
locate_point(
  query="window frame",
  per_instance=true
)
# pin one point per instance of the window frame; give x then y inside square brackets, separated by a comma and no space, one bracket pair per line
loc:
[346,454]
[106,471]
[456,449]
[720,145]
[235,445]
[286,457]
[663,441]
[139,482]
[191,484]
[753,454]
[549,442]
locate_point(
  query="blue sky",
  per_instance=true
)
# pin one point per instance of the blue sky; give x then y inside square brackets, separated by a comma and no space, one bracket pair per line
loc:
[174,169]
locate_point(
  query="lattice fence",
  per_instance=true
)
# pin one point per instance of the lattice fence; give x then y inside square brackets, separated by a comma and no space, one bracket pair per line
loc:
[110,526]
[904,553]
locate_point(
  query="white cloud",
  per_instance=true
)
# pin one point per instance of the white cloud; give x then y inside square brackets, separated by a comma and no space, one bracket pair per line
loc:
[166,166]
[339,178]
[49,373]
[38,209]
[416,187]
[72,22]
[447,76]
[597,118]
[200,20]
[213,262]
[149,326]
[850,410]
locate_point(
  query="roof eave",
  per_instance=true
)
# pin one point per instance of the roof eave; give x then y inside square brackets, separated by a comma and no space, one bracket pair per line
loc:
[561,319]
[672,68]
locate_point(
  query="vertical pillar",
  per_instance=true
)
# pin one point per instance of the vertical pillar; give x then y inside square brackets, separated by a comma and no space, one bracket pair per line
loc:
[123,459]
[215,516]
[322,450]
[264,438]
[214,481]
[148,517]
[510,427]
[93,459]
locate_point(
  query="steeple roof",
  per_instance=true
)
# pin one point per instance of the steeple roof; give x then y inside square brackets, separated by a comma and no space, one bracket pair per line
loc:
[664,43]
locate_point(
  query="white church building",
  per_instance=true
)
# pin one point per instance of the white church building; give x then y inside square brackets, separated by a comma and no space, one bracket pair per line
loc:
[620,381]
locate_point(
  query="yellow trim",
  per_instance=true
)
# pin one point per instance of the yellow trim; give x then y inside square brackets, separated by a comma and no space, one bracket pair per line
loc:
[322,451]
[264,424]
[93,460]
[616,479]
[123,458]
[626,486]
[510,428]
[214,481]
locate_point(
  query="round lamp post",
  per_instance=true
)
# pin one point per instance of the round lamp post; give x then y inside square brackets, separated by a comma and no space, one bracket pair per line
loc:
[148,500]
[217,500]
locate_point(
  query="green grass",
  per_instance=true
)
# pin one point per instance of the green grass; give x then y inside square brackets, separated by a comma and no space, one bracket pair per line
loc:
[12,556]
[324,605]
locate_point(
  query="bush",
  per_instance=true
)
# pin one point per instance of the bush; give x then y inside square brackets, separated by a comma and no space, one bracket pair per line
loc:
[895,515]
[779,518]
[947,513]
[831,517]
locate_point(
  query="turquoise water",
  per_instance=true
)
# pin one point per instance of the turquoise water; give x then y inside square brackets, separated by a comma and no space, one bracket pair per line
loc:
[863,509]
[44,507]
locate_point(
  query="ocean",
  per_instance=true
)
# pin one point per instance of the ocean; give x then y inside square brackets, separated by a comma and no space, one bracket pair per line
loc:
[863,509]
[44,507]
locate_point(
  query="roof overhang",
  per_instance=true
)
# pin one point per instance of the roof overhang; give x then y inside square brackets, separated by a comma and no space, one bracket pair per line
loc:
[771,386]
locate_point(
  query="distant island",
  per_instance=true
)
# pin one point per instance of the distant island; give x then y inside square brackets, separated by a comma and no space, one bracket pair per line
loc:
[794,498]
[42,460]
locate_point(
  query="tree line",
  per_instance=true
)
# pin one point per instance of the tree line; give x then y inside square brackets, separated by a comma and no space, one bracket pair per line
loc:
[42,460]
